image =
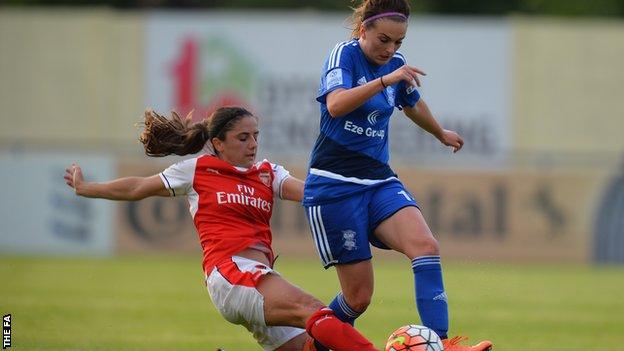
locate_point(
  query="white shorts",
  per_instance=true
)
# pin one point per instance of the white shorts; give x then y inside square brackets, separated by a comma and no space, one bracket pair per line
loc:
[232,288]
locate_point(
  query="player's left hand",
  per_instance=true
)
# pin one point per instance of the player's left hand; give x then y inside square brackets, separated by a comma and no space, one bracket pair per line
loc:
[452,139]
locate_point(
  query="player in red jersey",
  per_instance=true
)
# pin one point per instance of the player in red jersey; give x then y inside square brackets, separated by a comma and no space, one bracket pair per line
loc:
[231,201]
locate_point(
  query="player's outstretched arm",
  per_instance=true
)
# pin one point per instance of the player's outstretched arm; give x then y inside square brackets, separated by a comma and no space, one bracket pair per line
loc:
[292,189]
[422,116]
[129,188]
[343,101]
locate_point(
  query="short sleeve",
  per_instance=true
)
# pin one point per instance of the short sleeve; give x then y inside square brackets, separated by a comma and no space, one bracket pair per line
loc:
[407,95]
[280,174]
[178,178]
[337,71]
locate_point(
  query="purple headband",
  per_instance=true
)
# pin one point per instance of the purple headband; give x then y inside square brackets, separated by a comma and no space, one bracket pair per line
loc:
[385,14]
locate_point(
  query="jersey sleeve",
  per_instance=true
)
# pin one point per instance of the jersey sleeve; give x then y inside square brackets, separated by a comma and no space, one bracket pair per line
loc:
[178,178]
[406,94]
[280,174]
[337,71]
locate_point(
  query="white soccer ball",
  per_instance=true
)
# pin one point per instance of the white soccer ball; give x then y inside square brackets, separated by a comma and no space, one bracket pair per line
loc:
[414,338]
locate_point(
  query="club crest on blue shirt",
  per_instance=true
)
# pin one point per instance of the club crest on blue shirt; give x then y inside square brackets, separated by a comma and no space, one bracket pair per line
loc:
[348,237]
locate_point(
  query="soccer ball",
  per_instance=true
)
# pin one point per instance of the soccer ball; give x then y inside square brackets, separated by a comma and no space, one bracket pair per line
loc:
[414,338]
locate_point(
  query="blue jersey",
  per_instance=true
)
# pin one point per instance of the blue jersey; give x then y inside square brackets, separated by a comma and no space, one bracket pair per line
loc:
[351,152]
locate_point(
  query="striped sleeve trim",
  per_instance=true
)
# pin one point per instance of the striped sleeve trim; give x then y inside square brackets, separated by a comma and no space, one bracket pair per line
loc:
[167,184]
[400,57]
[334,57]
[281,183]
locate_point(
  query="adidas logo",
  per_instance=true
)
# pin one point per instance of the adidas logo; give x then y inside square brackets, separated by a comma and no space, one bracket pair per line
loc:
[317,322]
[441,297]
[361,81]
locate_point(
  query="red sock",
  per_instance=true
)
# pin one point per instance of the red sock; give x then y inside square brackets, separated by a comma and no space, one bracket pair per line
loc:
[336,334]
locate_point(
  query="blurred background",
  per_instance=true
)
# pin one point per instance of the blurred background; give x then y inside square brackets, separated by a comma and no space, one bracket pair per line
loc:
[534,87]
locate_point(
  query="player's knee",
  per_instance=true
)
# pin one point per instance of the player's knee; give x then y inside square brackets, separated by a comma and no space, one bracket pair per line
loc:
[430,246]
[361,304]
[315,304]
[309,306]
[421,245]
[295,344]
[360,300]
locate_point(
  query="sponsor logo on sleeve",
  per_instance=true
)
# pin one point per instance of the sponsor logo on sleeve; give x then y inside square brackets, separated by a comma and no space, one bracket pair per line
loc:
[334,78]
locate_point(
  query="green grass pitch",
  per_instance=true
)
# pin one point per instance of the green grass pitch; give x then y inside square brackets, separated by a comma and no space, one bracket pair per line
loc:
[160,303]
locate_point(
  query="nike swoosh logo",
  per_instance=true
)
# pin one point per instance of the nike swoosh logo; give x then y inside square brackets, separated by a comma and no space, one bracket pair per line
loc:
[400,340]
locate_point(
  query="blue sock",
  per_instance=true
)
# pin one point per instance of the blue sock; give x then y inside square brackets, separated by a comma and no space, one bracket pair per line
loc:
[431,299]
[343,311]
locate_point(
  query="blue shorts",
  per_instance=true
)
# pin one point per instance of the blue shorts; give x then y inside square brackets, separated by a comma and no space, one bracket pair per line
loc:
[342,230]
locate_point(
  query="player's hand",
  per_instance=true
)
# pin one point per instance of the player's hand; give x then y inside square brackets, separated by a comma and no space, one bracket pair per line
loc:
[452,139]
[73,176]
[407,73]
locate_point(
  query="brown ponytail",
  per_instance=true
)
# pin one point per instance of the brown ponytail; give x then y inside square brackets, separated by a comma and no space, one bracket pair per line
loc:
[370,8]
[164,136]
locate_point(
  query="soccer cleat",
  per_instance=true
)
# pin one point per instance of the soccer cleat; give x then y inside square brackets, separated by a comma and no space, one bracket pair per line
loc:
[453,345]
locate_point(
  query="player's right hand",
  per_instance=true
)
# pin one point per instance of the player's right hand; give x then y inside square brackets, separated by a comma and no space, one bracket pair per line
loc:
[409,74]
[73,175]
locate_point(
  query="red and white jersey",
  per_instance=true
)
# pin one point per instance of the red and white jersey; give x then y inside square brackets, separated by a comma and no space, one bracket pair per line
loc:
[231,206]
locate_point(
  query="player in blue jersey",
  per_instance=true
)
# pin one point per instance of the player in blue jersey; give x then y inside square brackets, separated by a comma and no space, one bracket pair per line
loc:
[352,197]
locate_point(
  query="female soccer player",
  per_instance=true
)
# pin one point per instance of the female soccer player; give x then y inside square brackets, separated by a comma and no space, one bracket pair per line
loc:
[231,201]
[352,197]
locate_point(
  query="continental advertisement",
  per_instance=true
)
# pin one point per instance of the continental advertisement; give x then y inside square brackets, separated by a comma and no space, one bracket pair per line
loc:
[503,216]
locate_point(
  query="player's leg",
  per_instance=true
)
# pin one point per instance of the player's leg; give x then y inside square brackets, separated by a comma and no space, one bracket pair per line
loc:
[340,233]
[286,304]
[400,225]
[298,343]
[232,288]
[250,293]
[357,286]
[406,231]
